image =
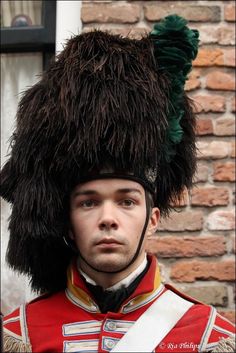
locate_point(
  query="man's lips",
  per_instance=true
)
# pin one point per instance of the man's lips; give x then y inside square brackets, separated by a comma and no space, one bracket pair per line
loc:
[108,241]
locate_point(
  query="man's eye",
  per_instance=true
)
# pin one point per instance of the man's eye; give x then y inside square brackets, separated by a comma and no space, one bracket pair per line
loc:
[127,203]
[88,203]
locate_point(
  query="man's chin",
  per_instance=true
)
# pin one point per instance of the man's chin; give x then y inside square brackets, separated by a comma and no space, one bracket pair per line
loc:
[109,263]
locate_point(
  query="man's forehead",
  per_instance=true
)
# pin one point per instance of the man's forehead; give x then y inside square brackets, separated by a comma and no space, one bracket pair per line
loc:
[111,184]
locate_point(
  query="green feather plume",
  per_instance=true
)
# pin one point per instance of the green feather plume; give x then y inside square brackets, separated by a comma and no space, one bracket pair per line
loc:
[176,46]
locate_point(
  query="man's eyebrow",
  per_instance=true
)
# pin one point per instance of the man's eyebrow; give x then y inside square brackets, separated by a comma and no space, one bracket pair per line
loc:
[85,192]
[95,192]
[128,190]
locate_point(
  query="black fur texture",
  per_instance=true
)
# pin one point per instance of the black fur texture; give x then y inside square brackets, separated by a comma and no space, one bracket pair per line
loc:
[103,99]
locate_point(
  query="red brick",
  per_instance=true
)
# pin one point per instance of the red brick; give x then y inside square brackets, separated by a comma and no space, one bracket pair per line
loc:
[204,127]
[209,57]
[221,220]
[215,57]
[220,80]
[229,13]
[210,197]
[213,149]
[181,221]
[154,12]
[224,127]
[176,246]
[212,295]
[202,173]
[209,103]
[193,81]
[224,171]
[110,13]
[229,57]
[208,34]
[230,315]
[233,105]
[189,271]
[226,34]
[214,34]
[233,150]
[131,32]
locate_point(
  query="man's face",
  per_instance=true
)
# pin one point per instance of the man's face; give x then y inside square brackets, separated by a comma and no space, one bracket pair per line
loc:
[107,218]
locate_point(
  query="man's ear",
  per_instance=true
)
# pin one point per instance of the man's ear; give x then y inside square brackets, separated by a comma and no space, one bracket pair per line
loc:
[153,221]
[70,241]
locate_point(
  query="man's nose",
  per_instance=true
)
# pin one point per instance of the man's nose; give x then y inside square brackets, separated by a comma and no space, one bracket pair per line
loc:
[108,217]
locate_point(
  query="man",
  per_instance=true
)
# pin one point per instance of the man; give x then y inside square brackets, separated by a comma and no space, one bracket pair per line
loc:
[104,143]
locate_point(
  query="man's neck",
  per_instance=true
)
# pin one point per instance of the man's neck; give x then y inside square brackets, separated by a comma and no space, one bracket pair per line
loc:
[112,281]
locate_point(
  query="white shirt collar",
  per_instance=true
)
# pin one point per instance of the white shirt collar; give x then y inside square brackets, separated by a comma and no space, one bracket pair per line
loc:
[125,282]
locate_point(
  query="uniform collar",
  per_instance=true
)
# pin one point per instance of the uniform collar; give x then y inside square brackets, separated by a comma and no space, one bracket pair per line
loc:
[124,282]
[148,289]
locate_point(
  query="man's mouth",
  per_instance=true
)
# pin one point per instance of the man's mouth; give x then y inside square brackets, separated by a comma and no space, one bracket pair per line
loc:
[108,242]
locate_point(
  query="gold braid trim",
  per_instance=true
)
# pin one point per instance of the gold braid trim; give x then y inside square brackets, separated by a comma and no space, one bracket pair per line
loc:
[225,345]
[12,344]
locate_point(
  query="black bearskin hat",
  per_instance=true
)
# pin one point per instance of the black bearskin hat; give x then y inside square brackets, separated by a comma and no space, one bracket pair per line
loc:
[105,100]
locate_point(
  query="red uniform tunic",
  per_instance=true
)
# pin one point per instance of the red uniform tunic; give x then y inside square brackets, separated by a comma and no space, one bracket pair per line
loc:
[70,321]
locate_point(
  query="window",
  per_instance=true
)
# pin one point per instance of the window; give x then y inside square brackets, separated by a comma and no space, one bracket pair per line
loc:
[29,26]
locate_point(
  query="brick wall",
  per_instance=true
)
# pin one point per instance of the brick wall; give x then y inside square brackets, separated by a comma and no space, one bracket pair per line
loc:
[195,246]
